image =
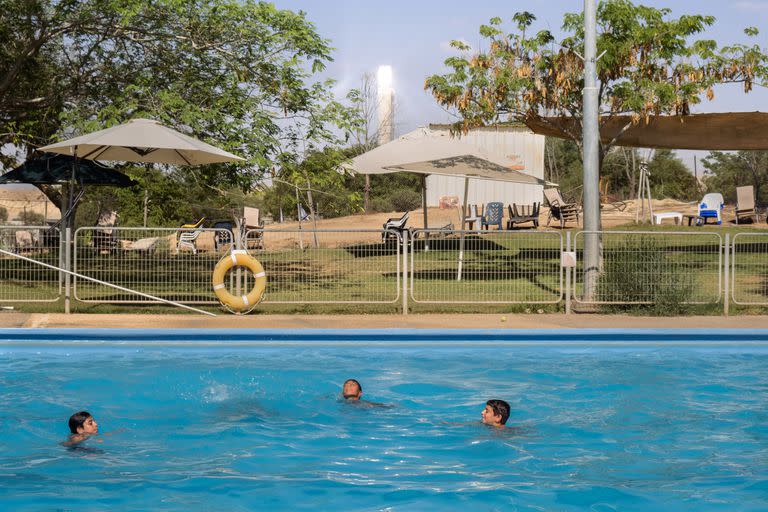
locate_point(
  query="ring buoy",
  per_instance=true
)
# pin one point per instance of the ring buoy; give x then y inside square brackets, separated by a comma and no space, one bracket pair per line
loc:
[243,302]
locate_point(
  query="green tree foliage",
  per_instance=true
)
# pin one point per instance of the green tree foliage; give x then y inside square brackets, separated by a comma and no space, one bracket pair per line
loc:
[726,171]
[3,215]
[669,177]
[651,65]
[238,74]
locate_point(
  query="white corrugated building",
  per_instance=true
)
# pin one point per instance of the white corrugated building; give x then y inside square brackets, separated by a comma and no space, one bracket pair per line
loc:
[515,144]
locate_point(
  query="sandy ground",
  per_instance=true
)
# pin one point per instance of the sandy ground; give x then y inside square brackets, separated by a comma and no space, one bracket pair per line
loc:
[612,216]
[427,321]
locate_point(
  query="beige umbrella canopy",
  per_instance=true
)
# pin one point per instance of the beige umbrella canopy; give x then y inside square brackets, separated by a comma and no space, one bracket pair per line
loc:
[469,166]
[142,141]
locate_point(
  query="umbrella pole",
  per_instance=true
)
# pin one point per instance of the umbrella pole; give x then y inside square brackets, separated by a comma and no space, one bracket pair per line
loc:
[424,209]
[463,227]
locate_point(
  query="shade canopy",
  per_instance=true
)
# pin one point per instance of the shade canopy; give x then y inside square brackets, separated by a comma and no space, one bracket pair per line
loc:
[57,170]
[419,146]
[142,141]
[719,131]
[468,166]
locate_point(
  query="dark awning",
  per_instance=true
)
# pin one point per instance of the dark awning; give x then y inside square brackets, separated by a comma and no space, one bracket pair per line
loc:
[719,131]
[57,169]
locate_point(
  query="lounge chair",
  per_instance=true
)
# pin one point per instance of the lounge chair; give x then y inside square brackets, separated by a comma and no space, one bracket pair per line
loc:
[493,216]
[745,204]
[559,209]
[187,238]
[711,207]
[105,237]
[254,236]
[394,226]
[473,215]
[519,213]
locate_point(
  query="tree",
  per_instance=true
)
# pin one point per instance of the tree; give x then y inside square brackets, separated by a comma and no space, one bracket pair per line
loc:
[650,66]
[669,177]
[3,215]
[234,73]
[726,171]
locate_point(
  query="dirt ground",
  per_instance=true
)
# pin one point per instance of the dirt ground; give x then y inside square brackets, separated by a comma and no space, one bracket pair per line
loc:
[426,321]
[612,216]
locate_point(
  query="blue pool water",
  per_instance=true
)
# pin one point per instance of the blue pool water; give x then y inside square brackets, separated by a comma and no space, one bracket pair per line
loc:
[198,421]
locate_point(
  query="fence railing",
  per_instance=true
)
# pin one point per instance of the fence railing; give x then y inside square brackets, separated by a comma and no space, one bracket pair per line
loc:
[490,267]
[647,267]
[381,267]
[328,266]
[22,281]
[171,263]
[750,269]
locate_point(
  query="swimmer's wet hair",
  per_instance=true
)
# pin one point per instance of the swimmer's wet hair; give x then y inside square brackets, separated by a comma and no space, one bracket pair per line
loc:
[500,408]
[76,420]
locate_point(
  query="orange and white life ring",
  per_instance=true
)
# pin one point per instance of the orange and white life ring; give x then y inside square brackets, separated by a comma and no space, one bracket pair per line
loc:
[242,302]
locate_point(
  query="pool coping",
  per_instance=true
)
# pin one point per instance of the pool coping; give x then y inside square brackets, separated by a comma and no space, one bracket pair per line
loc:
[478,338]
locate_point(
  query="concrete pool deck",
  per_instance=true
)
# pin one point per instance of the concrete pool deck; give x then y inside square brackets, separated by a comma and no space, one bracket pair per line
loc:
[420,321]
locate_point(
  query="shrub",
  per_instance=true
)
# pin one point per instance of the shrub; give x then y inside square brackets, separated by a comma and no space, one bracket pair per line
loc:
[640,271]
[3,215]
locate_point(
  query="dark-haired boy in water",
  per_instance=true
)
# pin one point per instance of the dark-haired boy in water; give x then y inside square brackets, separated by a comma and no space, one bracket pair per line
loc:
[82,426]
[351,390]
[496,413]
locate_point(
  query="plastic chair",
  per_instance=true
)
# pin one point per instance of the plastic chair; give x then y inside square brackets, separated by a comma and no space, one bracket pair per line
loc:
[395,226]
[494,215]
[711,207]
[187,238]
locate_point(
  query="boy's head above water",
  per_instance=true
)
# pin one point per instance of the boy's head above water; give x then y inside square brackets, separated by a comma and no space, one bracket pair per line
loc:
[352,390]
[496,413]
[83,423]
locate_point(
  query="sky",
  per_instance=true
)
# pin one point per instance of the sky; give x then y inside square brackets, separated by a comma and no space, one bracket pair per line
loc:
[413,37]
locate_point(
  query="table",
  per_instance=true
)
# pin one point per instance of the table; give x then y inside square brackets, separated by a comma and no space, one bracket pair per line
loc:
[677,216]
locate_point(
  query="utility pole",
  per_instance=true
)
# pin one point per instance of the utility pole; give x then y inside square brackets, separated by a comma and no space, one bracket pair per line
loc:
[591,156]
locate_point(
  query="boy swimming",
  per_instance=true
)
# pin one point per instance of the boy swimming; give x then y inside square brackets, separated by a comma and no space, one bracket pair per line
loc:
[496,413]
[82,426]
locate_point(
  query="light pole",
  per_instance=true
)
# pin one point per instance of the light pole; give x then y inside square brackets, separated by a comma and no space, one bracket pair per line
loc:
[591,155]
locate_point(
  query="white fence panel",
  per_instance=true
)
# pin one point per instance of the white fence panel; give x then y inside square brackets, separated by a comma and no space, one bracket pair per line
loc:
[172,263]
[328,266]
[23,281]
[489,267]
[647,267]
[750,269]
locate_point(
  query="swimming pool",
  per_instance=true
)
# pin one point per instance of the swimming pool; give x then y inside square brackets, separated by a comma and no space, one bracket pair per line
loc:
[244,420]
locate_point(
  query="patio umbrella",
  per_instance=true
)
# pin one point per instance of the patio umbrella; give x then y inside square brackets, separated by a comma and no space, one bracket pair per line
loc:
[141,141]
[49,169]
[57,170]
[423,145]
[469,166]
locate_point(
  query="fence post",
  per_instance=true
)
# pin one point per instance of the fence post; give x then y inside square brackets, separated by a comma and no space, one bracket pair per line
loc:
[405,271]
[567,275]
[67,266]
[727,276]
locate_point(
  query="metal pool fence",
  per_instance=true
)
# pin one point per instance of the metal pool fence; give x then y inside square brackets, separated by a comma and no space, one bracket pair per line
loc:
[171,263]
[21,280]
[151,265]
[328,266]
[750,269]
[650,267]
[488,267]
